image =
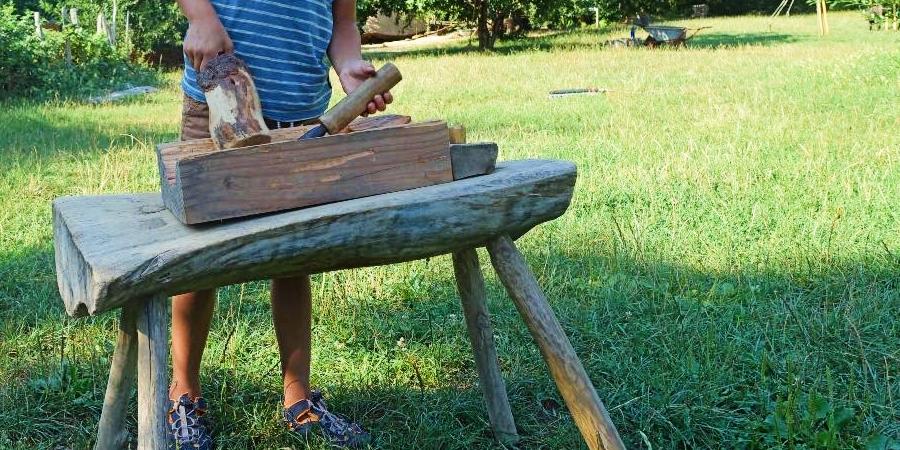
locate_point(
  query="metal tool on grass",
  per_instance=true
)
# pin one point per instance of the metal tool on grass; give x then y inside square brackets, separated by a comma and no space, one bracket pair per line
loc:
[354,104]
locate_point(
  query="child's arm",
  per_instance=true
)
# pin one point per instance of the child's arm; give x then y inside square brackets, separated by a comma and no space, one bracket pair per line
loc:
[206,37]
[345,53]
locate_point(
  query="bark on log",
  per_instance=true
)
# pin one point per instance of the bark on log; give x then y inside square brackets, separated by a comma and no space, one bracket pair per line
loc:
[112,249]
[470,284]
[235,113]
[153,371]
[571,379]
[111,434]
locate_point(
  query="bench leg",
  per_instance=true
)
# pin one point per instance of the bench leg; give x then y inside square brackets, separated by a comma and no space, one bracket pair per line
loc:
[571,379]
[111,433]
[470,284]
[153,372]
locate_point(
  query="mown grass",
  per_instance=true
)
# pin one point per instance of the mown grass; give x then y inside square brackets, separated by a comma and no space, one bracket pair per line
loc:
[729,270]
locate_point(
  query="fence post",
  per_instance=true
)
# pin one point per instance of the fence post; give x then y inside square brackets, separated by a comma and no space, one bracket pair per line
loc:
[38,31]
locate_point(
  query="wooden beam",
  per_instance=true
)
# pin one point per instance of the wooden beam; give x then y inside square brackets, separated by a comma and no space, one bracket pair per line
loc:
[470,284]
[294,174]
[571,379]
[111,434]
[153,371]
[111,249]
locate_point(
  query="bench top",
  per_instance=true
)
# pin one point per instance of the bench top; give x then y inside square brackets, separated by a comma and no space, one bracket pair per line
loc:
[112,249]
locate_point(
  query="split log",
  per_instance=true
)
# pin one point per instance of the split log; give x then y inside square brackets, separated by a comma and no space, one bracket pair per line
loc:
[293,174]
[235,113]
[112,249]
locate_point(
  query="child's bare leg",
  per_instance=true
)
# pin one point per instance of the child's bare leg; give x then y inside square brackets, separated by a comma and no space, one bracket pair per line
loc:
[191,317]
[292,315]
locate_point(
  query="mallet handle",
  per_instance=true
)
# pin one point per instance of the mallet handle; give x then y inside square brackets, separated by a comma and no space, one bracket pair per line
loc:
[354,104]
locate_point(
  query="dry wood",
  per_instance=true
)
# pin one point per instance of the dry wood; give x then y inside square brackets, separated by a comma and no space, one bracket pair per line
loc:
[172,152]
[112,249]
[235,113]
[293,174]
[111,434]
[470,284]
[571,379]
[153,371]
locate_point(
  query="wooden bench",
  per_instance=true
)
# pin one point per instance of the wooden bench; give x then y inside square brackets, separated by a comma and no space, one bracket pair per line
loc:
[129,252]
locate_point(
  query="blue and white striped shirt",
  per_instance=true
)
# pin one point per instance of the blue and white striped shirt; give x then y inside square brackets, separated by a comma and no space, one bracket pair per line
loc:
[284,42]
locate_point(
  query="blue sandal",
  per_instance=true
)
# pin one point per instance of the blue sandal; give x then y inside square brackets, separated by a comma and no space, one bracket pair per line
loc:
[188,428]
[312,414]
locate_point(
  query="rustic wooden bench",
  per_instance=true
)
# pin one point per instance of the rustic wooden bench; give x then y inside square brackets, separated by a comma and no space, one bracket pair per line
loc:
[130,252]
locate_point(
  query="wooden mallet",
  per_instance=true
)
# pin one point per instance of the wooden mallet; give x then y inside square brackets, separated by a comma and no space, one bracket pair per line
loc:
[354,104]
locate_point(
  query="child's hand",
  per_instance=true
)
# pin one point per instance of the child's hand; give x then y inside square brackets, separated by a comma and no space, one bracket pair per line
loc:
[353,73]
[206,38]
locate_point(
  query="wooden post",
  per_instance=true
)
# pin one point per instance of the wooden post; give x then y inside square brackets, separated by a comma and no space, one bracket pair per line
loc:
[470,285]
[111,31]
[73,16]
[153,372]
[111,433]
[38,31]
[571,379]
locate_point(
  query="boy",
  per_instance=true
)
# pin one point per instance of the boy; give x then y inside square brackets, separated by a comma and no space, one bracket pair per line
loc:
[284,43]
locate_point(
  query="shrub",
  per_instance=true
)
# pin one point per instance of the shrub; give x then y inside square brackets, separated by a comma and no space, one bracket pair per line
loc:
[38,68]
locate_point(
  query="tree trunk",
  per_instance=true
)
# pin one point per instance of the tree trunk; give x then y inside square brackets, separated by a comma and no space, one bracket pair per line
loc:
[484,33]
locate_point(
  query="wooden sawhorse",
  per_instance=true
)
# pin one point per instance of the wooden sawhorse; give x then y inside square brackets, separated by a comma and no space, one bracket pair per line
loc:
[129,252]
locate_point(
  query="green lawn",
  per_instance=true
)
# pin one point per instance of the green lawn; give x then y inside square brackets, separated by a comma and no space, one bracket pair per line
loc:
[729,270]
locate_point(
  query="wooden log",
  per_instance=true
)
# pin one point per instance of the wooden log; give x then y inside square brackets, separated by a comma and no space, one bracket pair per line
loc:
[111,249]
[293,174]
[153,371]
[571,379]
[470,284]
[235,113]
[111,434]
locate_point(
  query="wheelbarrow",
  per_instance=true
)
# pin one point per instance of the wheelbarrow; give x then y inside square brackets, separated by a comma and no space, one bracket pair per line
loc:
[665,34]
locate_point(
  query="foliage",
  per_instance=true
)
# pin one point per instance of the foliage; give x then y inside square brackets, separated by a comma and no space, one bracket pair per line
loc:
[42,68]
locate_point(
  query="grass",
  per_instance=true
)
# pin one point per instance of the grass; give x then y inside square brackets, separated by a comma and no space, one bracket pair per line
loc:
[729,270]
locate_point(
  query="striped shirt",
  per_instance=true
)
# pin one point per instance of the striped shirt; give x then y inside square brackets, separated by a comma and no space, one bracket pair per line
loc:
[284,43]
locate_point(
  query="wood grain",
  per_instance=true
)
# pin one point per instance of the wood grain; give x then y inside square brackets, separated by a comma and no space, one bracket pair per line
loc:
[111,434]
[153,371]
[112,249]
[571,379]
[293,174]
[235,112]
[470,284]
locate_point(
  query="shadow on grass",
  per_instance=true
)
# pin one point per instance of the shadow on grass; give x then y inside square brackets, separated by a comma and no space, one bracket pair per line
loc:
[727,40]
[573,40]
[688,358]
